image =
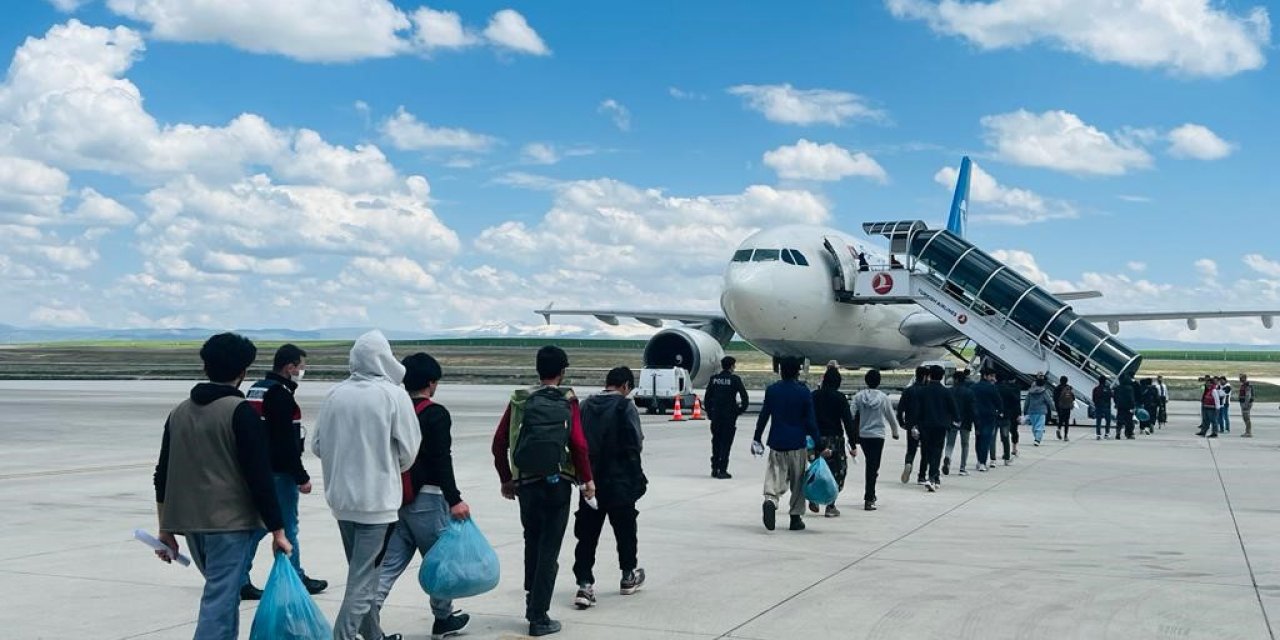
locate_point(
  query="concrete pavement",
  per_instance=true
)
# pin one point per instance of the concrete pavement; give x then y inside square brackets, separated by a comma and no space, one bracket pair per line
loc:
[1169,536]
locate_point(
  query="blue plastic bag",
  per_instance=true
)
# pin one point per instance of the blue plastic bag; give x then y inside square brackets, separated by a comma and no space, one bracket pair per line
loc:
[1142,415]
[819,484]
[460,564]
[287,611]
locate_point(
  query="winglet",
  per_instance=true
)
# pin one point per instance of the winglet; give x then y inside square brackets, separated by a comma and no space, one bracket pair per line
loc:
[959,219]
[546,313]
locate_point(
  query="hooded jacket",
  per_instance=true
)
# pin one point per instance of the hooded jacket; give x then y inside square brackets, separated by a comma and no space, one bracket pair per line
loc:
[872,411]
[366,435]
[611,425]
[1039,403]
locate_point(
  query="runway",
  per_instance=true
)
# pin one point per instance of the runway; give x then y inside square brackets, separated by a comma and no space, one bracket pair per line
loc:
[1167,537]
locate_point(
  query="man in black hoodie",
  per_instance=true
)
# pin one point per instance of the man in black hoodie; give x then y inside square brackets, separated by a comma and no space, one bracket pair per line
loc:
[935,410]
[611,424]
[907,418]
[213,483]
[1011,395]
[273,399]
[1126,400]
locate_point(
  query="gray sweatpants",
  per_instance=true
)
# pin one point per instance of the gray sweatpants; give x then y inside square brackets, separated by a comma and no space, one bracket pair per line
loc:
[786,473]
[964,444]
[364,545]
[421,524]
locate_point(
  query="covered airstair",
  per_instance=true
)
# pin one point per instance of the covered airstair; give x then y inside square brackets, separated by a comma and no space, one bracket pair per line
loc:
[1008,317]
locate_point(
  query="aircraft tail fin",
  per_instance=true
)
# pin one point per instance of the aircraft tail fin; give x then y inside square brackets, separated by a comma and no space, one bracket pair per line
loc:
[959,219]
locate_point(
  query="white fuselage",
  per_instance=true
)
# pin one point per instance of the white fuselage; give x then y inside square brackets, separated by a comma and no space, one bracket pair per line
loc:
[787,309]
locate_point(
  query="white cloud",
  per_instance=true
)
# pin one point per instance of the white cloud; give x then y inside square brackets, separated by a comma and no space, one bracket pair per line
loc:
[61,316]
[398,271]
[329,31]
[68,6]
[508,29]
[1207,268]
[540,153]
[993,202]
[1262,265]
[441,30]
[788,105]
[807,160]
[1137,266]
[1135,199]
[407,133]
[681,94]
[619,114]
[1186,37]
[1061,141]
[1199,142]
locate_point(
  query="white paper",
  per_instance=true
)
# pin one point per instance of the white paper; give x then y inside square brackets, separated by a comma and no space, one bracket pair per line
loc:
[154,543]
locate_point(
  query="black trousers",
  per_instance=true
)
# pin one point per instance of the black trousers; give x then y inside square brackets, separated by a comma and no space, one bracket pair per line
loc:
[872,450]
[723,431]
[931,443]
[544,514]
[589,523]
[1064,420]
[1124,420]
[913,445]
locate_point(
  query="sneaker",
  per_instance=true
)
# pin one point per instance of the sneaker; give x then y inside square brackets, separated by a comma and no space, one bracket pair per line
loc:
[770,514]
[631,582]
[314,586]
[921,481]
[946,466]
[451,626]
[832,512]
[1058,433]
[1008,462]
[1097,437]
[963,472]
[1037,443]
[906,473]
[1213,435]
[544,627]
[982,468]
[868,506]
[585,598]
[392,636]
[797,523]
[928,486]
[813,507]
[1066,438]
[725,475]
[250,592]
[1246,435]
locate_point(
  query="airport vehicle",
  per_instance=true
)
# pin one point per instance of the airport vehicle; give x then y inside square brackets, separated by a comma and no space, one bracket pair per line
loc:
[657,389]
[821,294]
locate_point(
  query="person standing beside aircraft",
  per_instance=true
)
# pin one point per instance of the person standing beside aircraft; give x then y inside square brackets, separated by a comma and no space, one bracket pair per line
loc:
[789,405]
[1210,402]
[872,411]
[835,420]
[726,399]
[907,418]
[1102,408]
[1149,400]
[1162,416]
[962,391]
[987,407]
[1246,405]
[936,411]
[1224,414]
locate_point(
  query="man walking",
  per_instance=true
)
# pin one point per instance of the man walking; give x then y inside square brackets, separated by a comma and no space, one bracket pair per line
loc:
[1102,408]
[1037,408]
[430,492]
[213,484]
[540,452]
[272,397]
[1126,398]
[1011,396]
[872,411]
[1065,399]
[907,418]
[987,406]
[366,435]
[726,399]
[789,405]
[1245,395]
[962,392]
[936,411]
[1162,416]
[1210,404]
[615,441]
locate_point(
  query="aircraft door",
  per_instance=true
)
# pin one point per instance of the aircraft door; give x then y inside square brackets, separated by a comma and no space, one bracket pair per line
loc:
[842,257]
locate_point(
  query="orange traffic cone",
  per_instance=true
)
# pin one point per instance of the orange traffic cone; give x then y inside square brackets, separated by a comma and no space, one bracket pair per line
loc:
[678,416]
[697,409]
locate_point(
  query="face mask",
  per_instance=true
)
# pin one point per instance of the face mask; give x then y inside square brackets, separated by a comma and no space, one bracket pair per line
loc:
[297,377]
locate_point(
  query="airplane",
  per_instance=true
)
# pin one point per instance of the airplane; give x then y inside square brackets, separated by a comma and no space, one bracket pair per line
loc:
[778,296]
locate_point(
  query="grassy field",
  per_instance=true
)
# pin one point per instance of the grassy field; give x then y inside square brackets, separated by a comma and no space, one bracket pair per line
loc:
[510,361]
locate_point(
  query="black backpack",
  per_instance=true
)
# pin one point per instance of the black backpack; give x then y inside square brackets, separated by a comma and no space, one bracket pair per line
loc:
[542,446]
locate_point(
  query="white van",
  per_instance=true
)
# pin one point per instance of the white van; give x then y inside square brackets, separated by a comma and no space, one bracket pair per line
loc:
[657,389]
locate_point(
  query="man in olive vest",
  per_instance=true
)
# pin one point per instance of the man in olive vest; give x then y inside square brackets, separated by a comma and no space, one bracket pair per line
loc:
[214,486]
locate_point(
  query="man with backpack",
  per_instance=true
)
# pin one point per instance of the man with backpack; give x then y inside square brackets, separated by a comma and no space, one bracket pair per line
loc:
[272,397]
[1101,408]
[1245,396]
[615,440]
[1065,398]
[430,495]
[540,451]
[726,399]
[789,404]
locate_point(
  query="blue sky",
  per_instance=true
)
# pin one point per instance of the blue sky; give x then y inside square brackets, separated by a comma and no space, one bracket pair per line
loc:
[368,162]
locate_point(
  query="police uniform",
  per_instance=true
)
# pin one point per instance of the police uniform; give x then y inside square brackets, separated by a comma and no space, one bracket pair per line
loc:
[726,399]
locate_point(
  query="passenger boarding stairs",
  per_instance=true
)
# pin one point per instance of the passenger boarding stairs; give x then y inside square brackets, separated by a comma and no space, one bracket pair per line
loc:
[1011,319]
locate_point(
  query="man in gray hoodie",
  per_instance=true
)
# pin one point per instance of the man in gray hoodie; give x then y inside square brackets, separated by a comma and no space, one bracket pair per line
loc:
[1039,405]
[872,411]
[366,436]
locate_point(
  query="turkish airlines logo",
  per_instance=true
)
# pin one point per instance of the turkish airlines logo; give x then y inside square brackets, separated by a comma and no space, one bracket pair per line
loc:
[882,283]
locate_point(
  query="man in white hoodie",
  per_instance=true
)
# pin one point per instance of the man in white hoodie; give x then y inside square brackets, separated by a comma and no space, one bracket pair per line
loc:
[872,413]
[366,435]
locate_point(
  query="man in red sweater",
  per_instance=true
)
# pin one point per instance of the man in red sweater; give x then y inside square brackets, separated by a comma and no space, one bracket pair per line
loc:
[540,451]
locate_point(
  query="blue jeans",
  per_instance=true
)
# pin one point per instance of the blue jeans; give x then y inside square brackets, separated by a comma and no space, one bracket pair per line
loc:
[986,441]
[421,523]
[1037,425]
[1098,417]
[287,493]
[1224,419]
[221,558]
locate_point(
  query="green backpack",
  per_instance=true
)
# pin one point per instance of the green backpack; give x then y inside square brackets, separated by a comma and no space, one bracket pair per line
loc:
[540,424]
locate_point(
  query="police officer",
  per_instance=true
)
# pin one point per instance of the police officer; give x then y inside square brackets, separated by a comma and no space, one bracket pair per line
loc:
[723,389]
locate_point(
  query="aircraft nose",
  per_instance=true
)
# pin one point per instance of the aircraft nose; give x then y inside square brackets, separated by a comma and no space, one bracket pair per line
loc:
[746,291]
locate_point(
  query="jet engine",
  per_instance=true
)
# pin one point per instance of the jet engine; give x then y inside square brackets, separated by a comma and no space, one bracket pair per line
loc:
[696,351]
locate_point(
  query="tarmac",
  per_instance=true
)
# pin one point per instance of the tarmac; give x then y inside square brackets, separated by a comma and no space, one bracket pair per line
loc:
[1167,537]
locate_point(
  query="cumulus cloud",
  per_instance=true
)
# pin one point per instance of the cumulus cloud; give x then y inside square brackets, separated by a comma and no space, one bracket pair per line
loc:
[61,316]
[1262,265]
[993,202]
[1061,141]
[407,133]
[509,30]
[1207,268]
[68,6]
[786,104]
[540,153]
[807,160]
[1198,142]
[441,30]
[1137,266]
[681,94]
[1187,37]
[620,115]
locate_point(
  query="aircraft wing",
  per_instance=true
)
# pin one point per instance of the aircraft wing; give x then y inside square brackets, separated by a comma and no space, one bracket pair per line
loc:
[1113,320]
[1076,295]
[651,317]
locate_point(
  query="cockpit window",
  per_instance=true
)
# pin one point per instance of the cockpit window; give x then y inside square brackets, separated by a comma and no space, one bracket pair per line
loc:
[786,257]
[742,255]
[799,258]
[766,255]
